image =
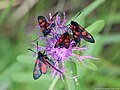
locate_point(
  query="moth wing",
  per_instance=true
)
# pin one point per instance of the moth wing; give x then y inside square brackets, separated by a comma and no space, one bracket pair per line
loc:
[87,36]
[37,72]
[51,62]
[44,68]
[44,25]
[66,40]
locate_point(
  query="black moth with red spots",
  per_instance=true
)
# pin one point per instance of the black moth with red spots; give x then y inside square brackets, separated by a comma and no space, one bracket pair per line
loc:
[45,26]
[64,41]
[79,32]
[41,65]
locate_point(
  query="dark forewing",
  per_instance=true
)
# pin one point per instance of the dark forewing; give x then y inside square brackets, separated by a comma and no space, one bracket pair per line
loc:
[43,68]
[76,35]
[85,35]
[37,72]
[41,19]
[51,64]
[79,32]
[44,25]
[88,37]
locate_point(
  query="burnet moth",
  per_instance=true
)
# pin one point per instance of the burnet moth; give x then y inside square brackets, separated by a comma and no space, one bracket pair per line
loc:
[47,26]
[41,64]
[64,41]
[79,32]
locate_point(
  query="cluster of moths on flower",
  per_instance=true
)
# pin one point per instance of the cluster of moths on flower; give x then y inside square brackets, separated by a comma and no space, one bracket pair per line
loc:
[60,40]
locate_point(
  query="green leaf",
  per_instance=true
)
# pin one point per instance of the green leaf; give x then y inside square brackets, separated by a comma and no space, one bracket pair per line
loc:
[28,78]
[26,59]
[96,27]
[92,7]
[88,10]
[81,18]
[96,48]
[108,80]
[16,67]
[112,38]
[90,65]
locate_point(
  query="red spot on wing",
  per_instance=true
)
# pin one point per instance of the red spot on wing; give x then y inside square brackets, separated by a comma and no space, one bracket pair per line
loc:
[42,29]
[40,20]
[67,43]
[44,68]
[44,59]
[80,27]
[57,42]
[74,31]
[84,33]
[66,40]
[88,36]
[74,27]
[77,33]
[60,40]
[37,61]
[35,72]
[75,36]
[68,37]
[38,68]
[42,24]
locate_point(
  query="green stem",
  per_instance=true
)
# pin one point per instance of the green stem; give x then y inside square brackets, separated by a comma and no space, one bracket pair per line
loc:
[53,83]
[71,83]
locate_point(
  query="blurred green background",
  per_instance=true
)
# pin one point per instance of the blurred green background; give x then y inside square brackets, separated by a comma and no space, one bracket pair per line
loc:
[17,25]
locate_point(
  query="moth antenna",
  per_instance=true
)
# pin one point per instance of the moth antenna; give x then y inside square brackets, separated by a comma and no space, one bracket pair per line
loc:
[57,13]
[77,15]
[37,46]
[37,38]
[31,50]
